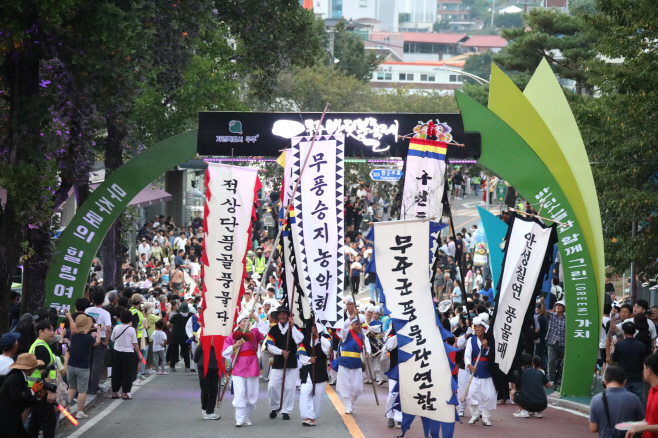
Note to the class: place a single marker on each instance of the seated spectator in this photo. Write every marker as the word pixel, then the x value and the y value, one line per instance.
pixel 614 405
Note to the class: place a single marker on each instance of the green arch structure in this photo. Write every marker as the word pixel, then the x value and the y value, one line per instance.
pixel 507 154
pixel 69 269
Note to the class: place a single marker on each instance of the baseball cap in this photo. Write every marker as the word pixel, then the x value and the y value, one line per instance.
pixel 9 339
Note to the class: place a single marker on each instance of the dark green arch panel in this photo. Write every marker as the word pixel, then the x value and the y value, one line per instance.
pixel 508 155
pixel 77 246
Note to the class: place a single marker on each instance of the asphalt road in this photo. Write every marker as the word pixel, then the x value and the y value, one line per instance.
pixel 169 406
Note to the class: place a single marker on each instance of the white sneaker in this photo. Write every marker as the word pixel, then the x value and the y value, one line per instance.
pixel 247 422
pixel 137 382
pixel 536 414
pixel 80 415
pixel 239 424
pixel 461 413
pixel 474 420
pixel 522 414
pixel 486 422
pixel 212 416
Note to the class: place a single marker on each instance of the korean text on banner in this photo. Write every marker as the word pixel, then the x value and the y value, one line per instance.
pixel 401 250
pixel 228 219
pixel 423 179
pixel 319 218
pixel 526 250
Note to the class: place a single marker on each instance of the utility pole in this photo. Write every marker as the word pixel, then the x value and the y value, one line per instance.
pixel 493 9
pixel 633 288
pixel 331 47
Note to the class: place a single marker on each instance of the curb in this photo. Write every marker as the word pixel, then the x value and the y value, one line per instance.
pixel 579 407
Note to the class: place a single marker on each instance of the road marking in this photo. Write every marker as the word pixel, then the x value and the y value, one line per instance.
pixel 349 421
pixel 105 412
pixel 571 411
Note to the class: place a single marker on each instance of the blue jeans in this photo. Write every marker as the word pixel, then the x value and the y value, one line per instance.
pixel 374 293
pixel 636 388
pixel 476 189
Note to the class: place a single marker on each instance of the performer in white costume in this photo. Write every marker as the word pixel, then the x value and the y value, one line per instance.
pixel 276 344
pixel 350 381
pixel 314 369
pixel 245 372
pixel 482 392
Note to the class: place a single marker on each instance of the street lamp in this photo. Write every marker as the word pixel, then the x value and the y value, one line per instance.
pixel 479 80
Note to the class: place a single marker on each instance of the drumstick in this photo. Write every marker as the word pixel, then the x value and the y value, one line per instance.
pixel 473 374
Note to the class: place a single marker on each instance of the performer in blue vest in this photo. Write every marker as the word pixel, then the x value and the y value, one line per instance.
pixel 482 392
pixel 350 381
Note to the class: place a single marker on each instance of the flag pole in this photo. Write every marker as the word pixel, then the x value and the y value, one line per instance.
pixel 291 298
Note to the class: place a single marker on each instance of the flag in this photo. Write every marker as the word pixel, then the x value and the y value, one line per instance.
pixel 527 259
pixel 319 218
pixel 228 217
pixel 423 179
pixel 426 388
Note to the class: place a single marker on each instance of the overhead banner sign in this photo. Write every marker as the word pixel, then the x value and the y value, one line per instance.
pixel 230 193
pixel 423 182
pixel 366 134
pixel 525 252
pixel 319 218
pixel 401 250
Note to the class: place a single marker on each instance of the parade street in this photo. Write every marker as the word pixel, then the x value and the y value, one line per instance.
pixel 168 406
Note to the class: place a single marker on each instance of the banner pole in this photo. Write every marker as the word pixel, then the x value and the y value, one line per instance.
pixel 291 298
pixel 473 374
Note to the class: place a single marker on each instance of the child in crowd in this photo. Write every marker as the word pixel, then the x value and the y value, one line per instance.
pixel 159 344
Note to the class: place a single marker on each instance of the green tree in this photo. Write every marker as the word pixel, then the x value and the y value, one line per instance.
pixel 620 129
pixel 349 52
pixel 479 65
pixel 560 38
pixel 478 9
pixel 506 21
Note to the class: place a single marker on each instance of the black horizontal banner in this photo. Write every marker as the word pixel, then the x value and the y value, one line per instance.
pixel 368 135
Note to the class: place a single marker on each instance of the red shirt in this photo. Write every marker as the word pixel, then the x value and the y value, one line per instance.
pixel 652 412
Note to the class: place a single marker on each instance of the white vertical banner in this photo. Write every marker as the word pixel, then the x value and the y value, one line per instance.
pixel 229 208
pixel 319 216
pixel 401 251
pixel 524 256
pixel 423 180
pixel 290 179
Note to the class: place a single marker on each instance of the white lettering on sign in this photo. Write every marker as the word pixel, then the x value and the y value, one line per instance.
pixel 368 131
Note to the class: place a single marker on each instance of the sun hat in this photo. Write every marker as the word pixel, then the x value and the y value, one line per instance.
pixel 83 323
pixel 26 361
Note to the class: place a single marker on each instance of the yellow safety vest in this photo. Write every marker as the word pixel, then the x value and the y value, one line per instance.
pixel 37 374
pixel 140 326
pixel 250 266
pixel 260 265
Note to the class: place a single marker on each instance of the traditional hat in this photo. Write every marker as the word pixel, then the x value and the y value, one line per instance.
pixel 360 319
pixel 282 309
pixel 26 361
pixel 243 315
pixel 444 306
pixel 376 309
pixel 370 308
pixel 484 317
pixel 348 299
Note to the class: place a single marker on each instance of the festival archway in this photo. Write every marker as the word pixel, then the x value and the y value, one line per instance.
pixel 530 139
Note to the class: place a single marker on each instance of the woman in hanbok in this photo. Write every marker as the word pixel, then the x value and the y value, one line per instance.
pixel 244 342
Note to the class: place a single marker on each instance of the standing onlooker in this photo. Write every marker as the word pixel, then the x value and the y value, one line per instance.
pixel 144 248
pixel 450 285
pixel 540 334
pixel 355 274
pixel 123 362
pixel 159 340
pixel 9 345
pixel 614 405
pixel 555 337
pixel 650 428
pixel 179 338
pixel 629 355
pixel 439 284
pixel 456 294
pixel 101 316
pixel 77 372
